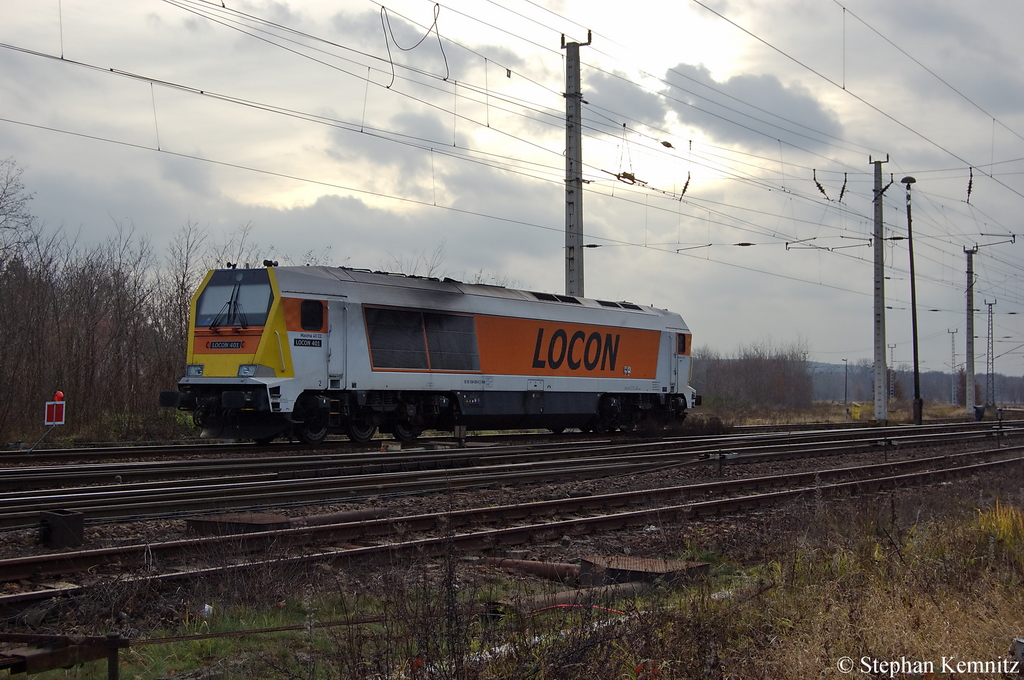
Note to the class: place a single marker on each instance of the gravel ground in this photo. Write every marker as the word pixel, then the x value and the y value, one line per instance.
pixel 23 543
pixel 742 539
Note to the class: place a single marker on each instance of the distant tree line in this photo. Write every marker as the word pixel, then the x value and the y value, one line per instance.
pixel 105 324
pixel 758 376
pixel 108 324
pixel 831 383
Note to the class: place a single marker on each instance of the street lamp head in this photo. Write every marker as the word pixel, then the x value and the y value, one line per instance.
pixel 908 181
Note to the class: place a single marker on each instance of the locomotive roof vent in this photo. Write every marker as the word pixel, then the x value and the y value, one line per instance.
pixel 549 297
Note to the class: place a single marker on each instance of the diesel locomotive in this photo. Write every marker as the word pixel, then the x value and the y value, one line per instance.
pixel 307 351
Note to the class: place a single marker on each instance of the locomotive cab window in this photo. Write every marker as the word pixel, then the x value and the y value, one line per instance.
pixel 683 343
pixel 311 315
pixel 235 297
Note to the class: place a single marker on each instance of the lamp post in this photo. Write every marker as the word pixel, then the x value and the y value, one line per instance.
pixel 913 308
pixel 846 387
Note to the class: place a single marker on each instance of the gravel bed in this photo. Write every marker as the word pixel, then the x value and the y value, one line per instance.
pixel 27 542
pixel 750 538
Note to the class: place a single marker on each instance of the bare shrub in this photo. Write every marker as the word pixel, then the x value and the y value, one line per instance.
pixel 759 376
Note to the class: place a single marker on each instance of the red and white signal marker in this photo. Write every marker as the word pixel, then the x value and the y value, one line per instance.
pixel 55 410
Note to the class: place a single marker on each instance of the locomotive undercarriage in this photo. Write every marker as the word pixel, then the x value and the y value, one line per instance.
pixel 254 413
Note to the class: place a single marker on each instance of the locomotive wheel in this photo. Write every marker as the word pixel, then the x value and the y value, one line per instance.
pixel 360 432
pixel 405 432
pixel 608 414
pixel 200 416
pixel 313 432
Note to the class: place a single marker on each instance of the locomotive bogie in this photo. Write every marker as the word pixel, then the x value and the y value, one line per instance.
pixel 305 351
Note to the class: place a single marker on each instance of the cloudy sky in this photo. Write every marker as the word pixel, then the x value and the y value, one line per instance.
pixel 367 135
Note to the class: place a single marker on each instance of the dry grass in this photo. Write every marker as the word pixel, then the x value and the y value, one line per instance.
pixel 900 412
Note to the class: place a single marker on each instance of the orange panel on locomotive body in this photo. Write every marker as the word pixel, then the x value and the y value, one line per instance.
pixel 306 351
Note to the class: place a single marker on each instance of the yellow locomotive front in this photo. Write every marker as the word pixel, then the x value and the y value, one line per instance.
pixel 235 355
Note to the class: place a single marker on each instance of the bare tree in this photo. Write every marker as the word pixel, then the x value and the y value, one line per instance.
pixel 481 277
pixel 183 270
pixel 313 258
pixel 417 264
pixel 16 220
pixel 237 250
pixel 761 375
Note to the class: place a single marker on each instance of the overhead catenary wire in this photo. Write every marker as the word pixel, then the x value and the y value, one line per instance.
pixel 428 28
pixel 402 199
pixel 690 187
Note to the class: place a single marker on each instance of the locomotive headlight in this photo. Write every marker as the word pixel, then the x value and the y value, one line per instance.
pixel 194 370
pixel 246 370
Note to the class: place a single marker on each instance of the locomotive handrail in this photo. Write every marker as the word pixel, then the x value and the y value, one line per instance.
pixel 280 349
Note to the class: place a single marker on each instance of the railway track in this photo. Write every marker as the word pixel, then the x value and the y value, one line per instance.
pixel 171 452
pixel 484 528
pixel 217 485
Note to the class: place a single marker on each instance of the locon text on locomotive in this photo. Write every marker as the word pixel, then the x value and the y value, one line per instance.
pixel 561 348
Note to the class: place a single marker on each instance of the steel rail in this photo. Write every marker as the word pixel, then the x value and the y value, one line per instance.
pixel 849 430
pixel 22 478
pixel 873 476
pixel 25 478
pixel 47 476
pixel 20 510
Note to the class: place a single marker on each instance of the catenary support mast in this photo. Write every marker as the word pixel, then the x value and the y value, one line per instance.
pixel 881 398
pixel 573 169
pixel 969 359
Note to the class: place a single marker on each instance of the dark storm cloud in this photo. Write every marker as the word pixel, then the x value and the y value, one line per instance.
pixel 977 58
pixel 391 151
pixel 611 91
pixel 353 233
pixel 191 176
pixel 754 111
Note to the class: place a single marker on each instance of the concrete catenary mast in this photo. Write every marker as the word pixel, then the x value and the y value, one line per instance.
pixel 573 169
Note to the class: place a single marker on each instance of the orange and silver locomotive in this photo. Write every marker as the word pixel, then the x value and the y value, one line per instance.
pixel 307 351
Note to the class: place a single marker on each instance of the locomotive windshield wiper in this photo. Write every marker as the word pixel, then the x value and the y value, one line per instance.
pixel 231 312
pixel 240 315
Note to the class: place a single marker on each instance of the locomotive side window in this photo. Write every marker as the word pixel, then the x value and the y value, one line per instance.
pixel 235 297
pixel 422 340
pixel 683 343
pixel 452 342
pixel 311 314
pixel 396 338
